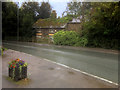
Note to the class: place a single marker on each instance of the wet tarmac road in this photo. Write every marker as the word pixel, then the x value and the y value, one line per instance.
pixel 43 73
pixel 104 65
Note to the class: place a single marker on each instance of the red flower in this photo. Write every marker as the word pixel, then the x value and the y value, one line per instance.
pixel 13 66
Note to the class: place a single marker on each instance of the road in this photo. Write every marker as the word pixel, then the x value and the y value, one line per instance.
pixel 104 65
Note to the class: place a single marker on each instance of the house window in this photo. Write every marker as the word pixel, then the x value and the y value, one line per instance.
pixel 39 36
pixel 51 31
pixel 39 31
pixel 51 36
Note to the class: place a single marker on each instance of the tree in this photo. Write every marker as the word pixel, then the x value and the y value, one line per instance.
pixel 26 29
pixel 45 10
pixel 28 14
pixel 100 22
pixel 78 10
pixel 20 20
pixel 9 19
pixel 102 29
pixel 31 8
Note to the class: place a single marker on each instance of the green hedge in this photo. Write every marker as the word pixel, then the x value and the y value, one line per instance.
pixel 70 38
pixel 65 38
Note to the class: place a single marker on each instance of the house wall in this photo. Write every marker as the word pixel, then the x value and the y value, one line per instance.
pixel 73 26
pixel 44 32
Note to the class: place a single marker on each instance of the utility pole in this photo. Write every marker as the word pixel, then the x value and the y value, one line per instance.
pixel 18 22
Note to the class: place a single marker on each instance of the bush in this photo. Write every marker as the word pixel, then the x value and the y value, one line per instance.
pixel 62 37
pixel 82 42
pixel 1 50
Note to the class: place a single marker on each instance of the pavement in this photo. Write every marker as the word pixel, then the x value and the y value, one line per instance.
pixel 46 74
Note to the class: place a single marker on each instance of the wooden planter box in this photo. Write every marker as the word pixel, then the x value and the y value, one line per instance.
pixel 17 74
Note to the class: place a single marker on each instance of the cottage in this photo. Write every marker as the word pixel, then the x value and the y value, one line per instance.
pixel 47 28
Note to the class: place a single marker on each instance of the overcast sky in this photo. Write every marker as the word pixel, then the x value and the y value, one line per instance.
pixel 58 5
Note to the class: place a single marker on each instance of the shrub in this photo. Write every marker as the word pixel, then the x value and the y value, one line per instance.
pixel 1 50
pixel 62 37
pixel 82 42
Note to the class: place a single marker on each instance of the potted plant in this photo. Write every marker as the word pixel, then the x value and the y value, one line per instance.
pixel 18 69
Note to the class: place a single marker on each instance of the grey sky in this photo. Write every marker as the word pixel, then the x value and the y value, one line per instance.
pixel 60 7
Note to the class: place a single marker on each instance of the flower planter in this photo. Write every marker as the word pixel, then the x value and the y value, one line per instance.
pixel 17 69
pixel 24 72
pixel 11 72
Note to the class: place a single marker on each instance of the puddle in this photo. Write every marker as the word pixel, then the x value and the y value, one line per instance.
pixel 51 68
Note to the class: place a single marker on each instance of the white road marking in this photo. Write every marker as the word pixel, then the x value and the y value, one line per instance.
pixel 83 72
